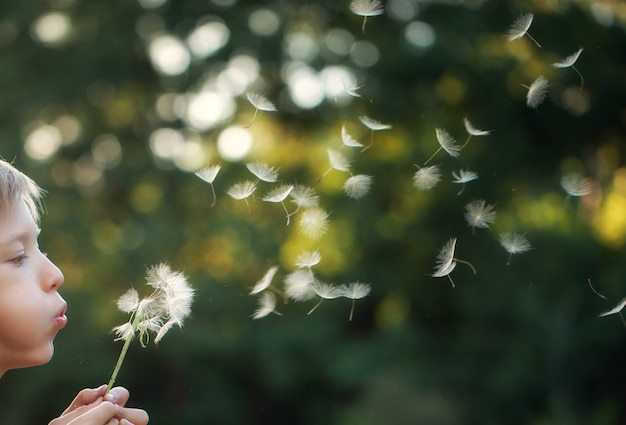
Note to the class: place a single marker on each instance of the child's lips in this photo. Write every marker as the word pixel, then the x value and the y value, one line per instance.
pixel 61 318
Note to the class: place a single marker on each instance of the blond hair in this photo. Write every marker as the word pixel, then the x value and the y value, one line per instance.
pixel 16 186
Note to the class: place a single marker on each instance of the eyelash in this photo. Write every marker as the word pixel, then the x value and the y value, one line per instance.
pixel 19 260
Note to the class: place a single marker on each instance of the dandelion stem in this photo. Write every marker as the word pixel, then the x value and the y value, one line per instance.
pixel 351 311
pixel 466 142
pixel 582 80
pixel 256 111
pixel 287 213
pixel 531 37
pixel 363 25
pixel 596 292
pixel 432 156
pixel 371 142
pixel 120 359
pixel 466 262
pixel 316 306
pixel 214 197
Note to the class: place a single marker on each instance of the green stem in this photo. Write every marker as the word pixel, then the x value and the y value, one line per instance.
pixel 120 359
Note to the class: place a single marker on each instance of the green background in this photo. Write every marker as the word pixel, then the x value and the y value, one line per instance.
pixel 516 344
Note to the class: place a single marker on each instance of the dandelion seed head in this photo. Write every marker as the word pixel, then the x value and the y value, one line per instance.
pixel 241 190
pixel 355 290
pixel 473 131
pixel 357 186
pixel 298 285
pixel 574 184
pixel 514 243
pixel 304 196
pixel 464 176
pixel 278 194
pixel 520 27
pixel 263 171
pixel 373 124
pixel 260 102
pixel 128 302
pixel 447 142
pixel 265 281
pixel 537 92
pixel 348 140
pixel 314 222
pixel 308 259
pixel 479 215
pixel 208 174
pixel 366 7
pixel 326 291
pixel 568 61
pixel 615 310
pixel 427 177
pixel 266 306
pixel 338 161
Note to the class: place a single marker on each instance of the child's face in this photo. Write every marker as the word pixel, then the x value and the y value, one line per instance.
pixel 31 310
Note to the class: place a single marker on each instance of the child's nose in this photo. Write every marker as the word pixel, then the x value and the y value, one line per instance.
pixel 53 276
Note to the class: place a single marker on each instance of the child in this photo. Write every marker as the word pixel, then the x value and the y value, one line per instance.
pixel 31 309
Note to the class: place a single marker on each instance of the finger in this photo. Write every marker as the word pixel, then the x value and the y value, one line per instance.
pixel 117 395
pixel 85 397
pixel 101 414
pixel 135 416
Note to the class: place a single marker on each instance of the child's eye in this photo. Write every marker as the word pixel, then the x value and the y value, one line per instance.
pixel 19 260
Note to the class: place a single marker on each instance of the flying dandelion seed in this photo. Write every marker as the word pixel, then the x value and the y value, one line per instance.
pixel 472 131
pixel 479 215
pixel 169 304
pixel 337 162
pixel 537 92
pixel 348 140
pixel 514 243
pixel 266 306
pixel 242 191
pixel 616 310
pixel 308 259
pixel 263 171
pixel 208 174
pixel 355 291
pixel 373 126
pixel 520 28
pixel 299 285
pixel 357 186
pixel 366 8
pixel 314 222
pixel 260 103
pixel 279 194
pixel 574 184
pixel 303 196
pixel 463 177
pixel 425 178
pixel 447 143
pixel 265 281
pixel 568 62
pixel 446 261
pixel 350 86
pixel 325 291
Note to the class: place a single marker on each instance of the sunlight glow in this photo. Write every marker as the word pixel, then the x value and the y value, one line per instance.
pixel 208 37
pixel 234 143
pixel 169 55
pixel 52 28
pixel 42 143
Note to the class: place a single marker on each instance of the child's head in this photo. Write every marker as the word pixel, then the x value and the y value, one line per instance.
pixel 31 309
pixel 15 186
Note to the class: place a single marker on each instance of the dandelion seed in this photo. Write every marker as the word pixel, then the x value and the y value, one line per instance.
pixel 574 184
pixel 520 28
pixel 168 305
pixel 351 87
pixel 596 292
pixel 479 215
pixel 263 171
pixel 260 103
pixel 373 125
pixel 357 186
pixel 446 261
pixel 304 197
pixel 568 62
pixel 325 291
pixel 473 131
pixel 337 162
pixel 537 92
pixel 299 285
pixel 366 8
pixel 267 305
pixel 463 177
pixel 314 222
pixel 242 191
pixel 447 143
pixel 279 194
pixel 616 310
pixel 208 174
pixel 265 281
pixel 514 243
pixel 425 178
pixel 348 140
pixel 355 291
pixel 308 259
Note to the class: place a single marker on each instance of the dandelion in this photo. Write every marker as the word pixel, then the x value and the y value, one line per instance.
pixel 351 87
pixel 357 186
pixel 337 162
pixel 479 215
pixel 325 291
pixel 366 8
pixel 568 62
pixel 537 92
pixel 574 184
pixel 520 28
pixel 267 305
pixel 208 174
pixel 314 222
pixel 462 177
pixel 355 291
pixel 616 310
pixel 242 191
pixel 263 171
pixel 169 304
pixel 373 125
pixel 425 178
pixel 447 143
pixel 348 140
pixel 446 261
pixel 304 197
pixel 514 243
pixel 265 281
pixel 299 285
pixel 472 131
pixel 260 103
pixel 279 194
pixel 308 259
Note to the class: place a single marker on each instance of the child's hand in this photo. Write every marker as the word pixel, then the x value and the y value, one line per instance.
pixel 93 407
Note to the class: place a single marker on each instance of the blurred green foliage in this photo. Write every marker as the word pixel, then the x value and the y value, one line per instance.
pixel 516 344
